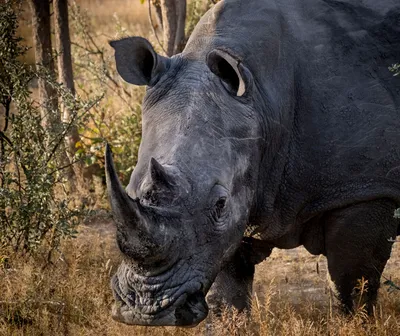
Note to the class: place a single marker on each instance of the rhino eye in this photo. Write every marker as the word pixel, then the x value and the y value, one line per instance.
pixel 220 206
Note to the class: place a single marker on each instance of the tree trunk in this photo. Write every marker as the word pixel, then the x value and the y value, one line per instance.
pixel 180 8
pixel 51 118
pixel 43 55
pixel 65 72
pixel 63 43
pixel 173 20
pixel 169 24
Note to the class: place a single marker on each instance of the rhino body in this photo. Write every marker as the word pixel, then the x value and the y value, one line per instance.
pixel 277 126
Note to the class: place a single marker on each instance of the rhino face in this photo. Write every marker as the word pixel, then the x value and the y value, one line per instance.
pixel 186 207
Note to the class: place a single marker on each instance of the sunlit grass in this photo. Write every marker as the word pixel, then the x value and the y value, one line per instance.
pixel 71 296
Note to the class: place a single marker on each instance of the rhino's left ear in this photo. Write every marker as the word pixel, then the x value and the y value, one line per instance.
pixel 236 77
pixel 137 62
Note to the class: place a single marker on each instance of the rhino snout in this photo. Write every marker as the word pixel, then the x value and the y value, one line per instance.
pixel 156 301
pixel 188 311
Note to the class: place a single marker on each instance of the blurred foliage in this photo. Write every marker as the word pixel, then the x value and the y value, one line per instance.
pixel 34 205
pixel 117 118
pixel 195 11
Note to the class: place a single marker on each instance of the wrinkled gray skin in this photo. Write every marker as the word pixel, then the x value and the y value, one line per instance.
pixel 279 118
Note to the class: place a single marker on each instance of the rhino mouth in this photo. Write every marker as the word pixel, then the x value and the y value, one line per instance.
pixel 183 305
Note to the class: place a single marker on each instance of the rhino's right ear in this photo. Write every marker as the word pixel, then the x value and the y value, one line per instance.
pixel 137 62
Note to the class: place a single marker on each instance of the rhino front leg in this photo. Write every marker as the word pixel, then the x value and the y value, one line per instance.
pixel 234 284
pixel 358 245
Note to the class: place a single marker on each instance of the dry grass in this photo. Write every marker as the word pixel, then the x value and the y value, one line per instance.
pixel 131 13
pixel 72 296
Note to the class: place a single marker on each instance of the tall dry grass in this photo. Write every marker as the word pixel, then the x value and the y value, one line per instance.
pixel 71 296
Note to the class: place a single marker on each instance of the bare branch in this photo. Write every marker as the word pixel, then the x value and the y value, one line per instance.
pixel 154 30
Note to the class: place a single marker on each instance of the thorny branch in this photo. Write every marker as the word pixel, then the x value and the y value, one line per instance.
pixel 63 167
pixel 3 137
pixel 110 87
pixel 69 125
pixel 154 30
pixel 96 50
pixel 390 283
pixel 7 105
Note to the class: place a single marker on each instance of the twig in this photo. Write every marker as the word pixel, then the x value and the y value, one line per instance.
pixel 3 136
pixel 7 116
pixel 67 129
pixel 64 167
pixel 154 30
pixel 114 89
pixel 89 51
pixel 390 283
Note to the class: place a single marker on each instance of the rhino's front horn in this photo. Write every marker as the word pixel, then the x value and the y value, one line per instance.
pixel 137 239
pixel 124 208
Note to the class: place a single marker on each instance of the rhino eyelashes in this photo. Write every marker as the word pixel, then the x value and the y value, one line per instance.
pixel 220 206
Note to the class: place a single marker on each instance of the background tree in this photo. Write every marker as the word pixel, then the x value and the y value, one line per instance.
pixel 41 28
pixel 35 208
pixel 171 16
pixel 65 76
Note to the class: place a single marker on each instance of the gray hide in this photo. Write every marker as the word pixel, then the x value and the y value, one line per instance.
pixel 277 126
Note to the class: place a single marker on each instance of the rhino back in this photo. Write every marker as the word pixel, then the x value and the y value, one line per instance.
pixel 348 113
pixel 322 70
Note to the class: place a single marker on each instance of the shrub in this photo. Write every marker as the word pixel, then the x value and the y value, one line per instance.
pixel 35 205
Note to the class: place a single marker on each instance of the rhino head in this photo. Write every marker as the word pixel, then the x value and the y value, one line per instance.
pixel 189 199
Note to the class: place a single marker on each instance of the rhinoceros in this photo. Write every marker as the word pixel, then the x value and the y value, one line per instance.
pixel 277 126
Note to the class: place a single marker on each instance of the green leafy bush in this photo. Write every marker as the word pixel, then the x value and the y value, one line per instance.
pixel 35 206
